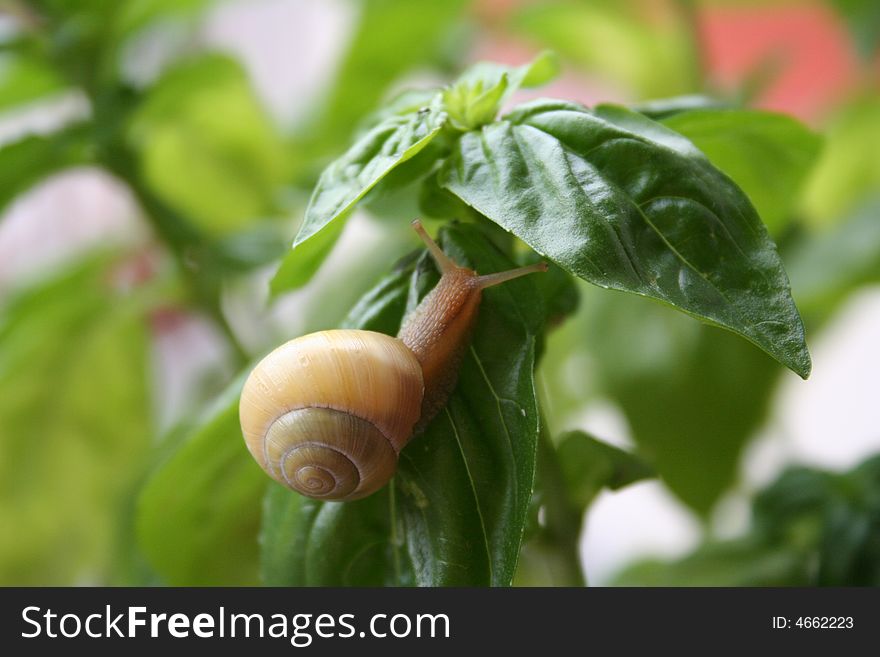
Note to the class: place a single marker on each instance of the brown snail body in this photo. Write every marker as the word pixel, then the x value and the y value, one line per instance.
pixel 326 414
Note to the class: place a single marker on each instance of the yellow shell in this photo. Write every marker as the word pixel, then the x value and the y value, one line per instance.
pixel 326 414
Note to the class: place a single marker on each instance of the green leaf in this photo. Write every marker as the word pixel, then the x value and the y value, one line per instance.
pixel 827 266
pixel 207 147
pixel 475 98
pixel 392 37
pixel 455 512
pixel 25 79
pixel 134 15
pixel 541 70
pixel 733 563
pixel 709 390
pixel 628 204
pixel 389 144
pixel 394 141
pixel 863 17
pixel 847 171
pixel 32 159
pixel 76 425
pixel 831 519
pixel 569 476
pixel 664 108
pixel 199 513
pixel 768 155
pixel 471 105
pixel 310 543
pixel 588 465
pixel 297 268
pixel 614 40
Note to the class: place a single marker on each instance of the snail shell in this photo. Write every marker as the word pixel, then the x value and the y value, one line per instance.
pixel 328 413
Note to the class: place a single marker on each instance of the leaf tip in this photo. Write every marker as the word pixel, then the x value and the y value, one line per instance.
pixel 803 366
pixel 546 66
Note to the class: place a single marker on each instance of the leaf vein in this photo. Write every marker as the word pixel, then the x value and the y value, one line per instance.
pixel 476 496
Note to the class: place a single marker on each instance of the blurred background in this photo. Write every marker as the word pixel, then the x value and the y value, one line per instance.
pixel 155 160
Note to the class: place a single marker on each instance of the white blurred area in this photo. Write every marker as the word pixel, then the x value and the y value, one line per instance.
pixel 290 47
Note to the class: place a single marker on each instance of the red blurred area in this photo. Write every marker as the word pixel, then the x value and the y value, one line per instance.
pixel 811 56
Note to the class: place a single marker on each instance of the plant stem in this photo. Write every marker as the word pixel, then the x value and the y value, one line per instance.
pixel 563 521
pixel 690 14
pixel 112 105
pixel 201 272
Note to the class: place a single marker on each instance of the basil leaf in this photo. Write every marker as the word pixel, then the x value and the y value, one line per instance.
pixel 767 154
pixel 589 465
pixel 390 143
pixel 29 160
pixel 478 94
pixel 627 204
pixel 207 147
pixel 663 108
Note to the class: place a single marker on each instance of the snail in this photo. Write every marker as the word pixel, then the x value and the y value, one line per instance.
pixel 326 414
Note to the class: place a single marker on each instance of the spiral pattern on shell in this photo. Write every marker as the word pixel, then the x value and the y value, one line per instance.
pixel 327 414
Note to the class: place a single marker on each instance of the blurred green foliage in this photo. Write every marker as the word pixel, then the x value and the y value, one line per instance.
pixel 392 38
pixel 203 497
pixel 707 388
pixel 847 170
pixel 202 118
pixel 29 160
pixel 614 40
pixel 75 413
pixel 809 528
pixel 89 493
pixel 24 79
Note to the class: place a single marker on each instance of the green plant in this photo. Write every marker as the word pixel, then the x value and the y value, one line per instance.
pixel 677 200
pixel 608 195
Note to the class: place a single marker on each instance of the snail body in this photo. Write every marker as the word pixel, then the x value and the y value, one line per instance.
pixel 326 414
